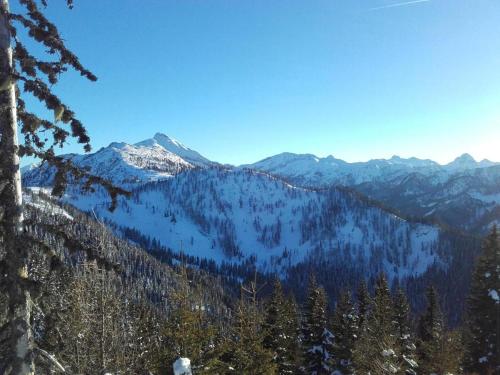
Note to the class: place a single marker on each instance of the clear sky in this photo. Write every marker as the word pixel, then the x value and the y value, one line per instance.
pixel 240 80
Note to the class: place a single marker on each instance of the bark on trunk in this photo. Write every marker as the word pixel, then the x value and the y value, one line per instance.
pixel 16 358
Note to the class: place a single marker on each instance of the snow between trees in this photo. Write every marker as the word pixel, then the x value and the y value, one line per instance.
pixel 182 367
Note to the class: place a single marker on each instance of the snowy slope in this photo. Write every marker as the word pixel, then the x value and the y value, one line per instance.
pixel 233 215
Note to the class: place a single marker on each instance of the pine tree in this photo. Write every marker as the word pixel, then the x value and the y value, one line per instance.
pixel 375 353
pixel 280 329
pixel 249 356
pixel 430 334
pixel 294 329
pixel 345 330
pixel 187 332
pixel 483 311
pixel 364 303
pixel 406 348
pixel 317 339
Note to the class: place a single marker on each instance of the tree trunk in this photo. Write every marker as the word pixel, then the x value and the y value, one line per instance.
pixel 16 357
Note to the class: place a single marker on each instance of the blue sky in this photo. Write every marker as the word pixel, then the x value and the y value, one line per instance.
pixel 242 80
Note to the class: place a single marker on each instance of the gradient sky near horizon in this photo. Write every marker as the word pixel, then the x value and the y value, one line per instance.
pixel 242 80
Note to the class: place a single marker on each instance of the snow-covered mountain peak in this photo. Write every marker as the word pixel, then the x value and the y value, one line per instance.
pixel 124 164
pixel 169 143
pixel 174 146
pixel 487 163
pixel 466 161
pixel 116 145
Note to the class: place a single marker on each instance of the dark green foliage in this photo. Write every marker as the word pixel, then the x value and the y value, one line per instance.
pixel 431 322
pixel 430 333
pixel 364 303
pixel 153 315
pixel 249 356
pixel 376 352
pixel 483 312
pixel 317 339
pixel 438 351
pixel 345 331
pixel 188 332
pixel 280 331
pixel 405 341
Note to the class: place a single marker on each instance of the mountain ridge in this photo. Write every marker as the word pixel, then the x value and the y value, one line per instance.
pixel 464 194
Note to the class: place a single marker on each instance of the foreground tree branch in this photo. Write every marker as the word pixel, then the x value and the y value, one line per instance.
pixel 21 73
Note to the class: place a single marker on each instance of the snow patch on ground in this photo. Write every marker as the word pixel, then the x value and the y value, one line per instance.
pixel 494 295
pixel 182 367
pixel 32 198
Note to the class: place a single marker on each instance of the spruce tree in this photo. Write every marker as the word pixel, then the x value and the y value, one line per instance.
pixel 293 317
pixel 375 353
pixel 345 331
pixel 249 356
pixel 280 331
pixel 317 339
pixel 364 303
pixel 483 310
pixel 406 348
pixel 430 334
pixel 187 332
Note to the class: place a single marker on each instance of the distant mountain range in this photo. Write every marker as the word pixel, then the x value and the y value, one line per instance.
pixel 296 214
pixel 464 194
pixel 308 169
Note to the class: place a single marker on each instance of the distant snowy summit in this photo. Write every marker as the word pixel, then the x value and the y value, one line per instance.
pixel 176 148
pixel 153 159
pixel 162 157
pixel 308 169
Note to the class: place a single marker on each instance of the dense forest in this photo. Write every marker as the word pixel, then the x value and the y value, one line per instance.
pixel 114 307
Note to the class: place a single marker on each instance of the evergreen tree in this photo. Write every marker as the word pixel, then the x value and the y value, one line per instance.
pixel 280 331
pixel 249 356
pixel 345 330
pixel 187 332
pixel 22 74
pixel 364 303
pixel 483 312
pixel 430 334
pixel 146 342
pixel 375 353
pixel 405 346
pixel 293 314
pixel 317 339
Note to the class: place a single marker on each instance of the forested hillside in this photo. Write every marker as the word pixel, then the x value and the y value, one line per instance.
pixel 228 221
pixel 119 308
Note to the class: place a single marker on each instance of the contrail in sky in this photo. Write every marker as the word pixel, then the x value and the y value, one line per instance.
pixel 400 4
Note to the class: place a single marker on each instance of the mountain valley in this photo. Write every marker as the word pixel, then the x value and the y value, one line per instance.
pixel 403 217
